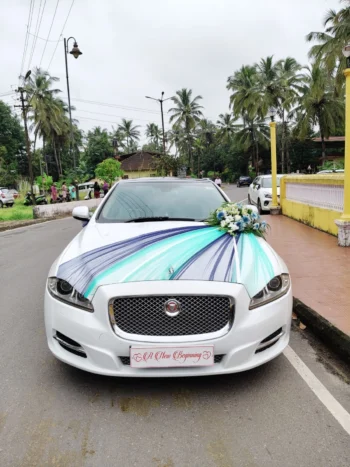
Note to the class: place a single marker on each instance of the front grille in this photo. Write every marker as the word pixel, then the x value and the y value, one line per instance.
pixel 126 360
pixel 145 315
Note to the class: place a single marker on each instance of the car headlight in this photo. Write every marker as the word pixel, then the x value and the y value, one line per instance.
pixel 268 196
pixel 276 288
pixel 63 291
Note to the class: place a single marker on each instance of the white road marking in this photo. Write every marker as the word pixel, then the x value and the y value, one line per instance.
pixel 242 200
pixel 336 409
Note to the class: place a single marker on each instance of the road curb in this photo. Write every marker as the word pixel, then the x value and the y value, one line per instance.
pixel 326 331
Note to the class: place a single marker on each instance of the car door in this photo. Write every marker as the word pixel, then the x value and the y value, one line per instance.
pixel 254 190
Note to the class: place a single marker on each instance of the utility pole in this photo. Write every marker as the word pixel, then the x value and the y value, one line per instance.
pixel 76 53
pixel 29 153
pixel 161 100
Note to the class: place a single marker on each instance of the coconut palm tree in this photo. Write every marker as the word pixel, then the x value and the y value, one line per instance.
pixel 252 134
pixel 130 132
pixel 153 133
pixel 318 105
pixel 246 98
pixel 186 114
pixel 226 128
pixel 331 42
pixel 290 80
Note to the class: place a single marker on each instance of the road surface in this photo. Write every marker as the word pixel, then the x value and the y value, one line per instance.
pixel 54 415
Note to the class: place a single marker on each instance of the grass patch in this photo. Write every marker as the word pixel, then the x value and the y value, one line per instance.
pixel 18 212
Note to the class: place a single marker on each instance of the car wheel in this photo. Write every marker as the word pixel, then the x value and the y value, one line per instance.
pixel 1 204
pixel 10 205
pixel 259 207
pixel 249 200
pixel 238 185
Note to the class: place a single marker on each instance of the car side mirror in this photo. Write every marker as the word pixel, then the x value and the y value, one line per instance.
pixel 81 213
pixel 257 186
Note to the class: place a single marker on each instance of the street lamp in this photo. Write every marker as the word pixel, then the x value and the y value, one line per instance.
pixel 75 52
pixel 161 100
pixel 344 222
pixel 274 205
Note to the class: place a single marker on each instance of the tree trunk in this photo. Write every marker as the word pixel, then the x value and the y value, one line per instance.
pixel 323 148
pixel 283 143
pixel 45 160
pixel 55 154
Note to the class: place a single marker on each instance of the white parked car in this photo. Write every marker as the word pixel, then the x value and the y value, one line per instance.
pixel 260 192
pixel 6 198
pixel 147 289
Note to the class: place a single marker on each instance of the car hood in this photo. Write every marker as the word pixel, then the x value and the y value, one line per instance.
pixel 103 254
pixel 269 190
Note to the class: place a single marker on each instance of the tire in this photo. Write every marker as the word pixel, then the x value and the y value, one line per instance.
pixel 10 205
pixel 1 204
pixel 249 200
pixel 238 185
pixel 43 202
pixel 259 207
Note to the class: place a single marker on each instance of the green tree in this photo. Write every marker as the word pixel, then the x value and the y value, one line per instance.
pixel 331 41
pixel 98 148
pixel 226 127
pixel 245 98
pixel 13 159
pixel 186 114
pixel 109 170
pixel 130 133
pixel 153 133
pixel 318 105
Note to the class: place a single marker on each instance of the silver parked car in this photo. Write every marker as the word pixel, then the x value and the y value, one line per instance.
pixel 6 198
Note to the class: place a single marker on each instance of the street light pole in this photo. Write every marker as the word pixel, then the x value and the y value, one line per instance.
pixel 275 209
pixel 75 52
pixel 344 222
pixel 161 100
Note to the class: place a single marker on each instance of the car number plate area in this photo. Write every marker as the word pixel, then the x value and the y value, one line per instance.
pixel 171 356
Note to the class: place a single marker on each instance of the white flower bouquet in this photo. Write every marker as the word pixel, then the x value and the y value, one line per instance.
pixel 236 218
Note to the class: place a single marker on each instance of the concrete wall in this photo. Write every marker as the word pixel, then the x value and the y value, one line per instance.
pixel 140 173
pixel 315 200
pixel 62 209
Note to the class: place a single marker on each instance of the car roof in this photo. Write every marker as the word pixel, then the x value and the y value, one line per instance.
pixel 269 176
pixel 165 179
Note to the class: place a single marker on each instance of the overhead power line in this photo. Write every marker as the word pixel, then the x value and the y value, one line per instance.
pixel 114 116
pixel 42 38
pixel 60 36
pixel 29 24
pixel 124 107
pixel 48 36
pixel 37 29
pixel 105 121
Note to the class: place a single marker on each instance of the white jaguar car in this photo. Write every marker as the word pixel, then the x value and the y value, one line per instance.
pixel 149 289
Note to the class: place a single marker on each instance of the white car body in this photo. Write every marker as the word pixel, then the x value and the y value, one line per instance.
pixel 98 343
pixel 261 196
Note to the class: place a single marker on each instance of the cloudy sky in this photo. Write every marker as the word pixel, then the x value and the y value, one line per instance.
pixel 133 48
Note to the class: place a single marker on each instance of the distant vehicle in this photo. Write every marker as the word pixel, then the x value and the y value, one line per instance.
pixel 87 189
pixel 41 199
pixel 260 192
pixel 6 198
pixel 334 171
pixel 244 180
pixel 15 193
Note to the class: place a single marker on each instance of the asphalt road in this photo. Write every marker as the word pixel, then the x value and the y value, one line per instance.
pixel 54 415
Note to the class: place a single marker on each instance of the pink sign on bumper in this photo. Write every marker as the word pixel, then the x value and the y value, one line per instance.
pixel 171 356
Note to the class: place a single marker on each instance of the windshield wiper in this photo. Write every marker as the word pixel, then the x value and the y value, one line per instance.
pixel 159 219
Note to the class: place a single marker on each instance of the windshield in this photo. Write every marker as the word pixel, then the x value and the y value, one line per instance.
pixel 185 200
pixel 267 182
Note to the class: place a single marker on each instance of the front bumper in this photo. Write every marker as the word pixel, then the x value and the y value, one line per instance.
pixel 103 348
pixel 266 203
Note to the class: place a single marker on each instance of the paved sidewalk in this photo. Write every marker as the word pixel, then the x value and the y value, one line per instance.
pixel 319 268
